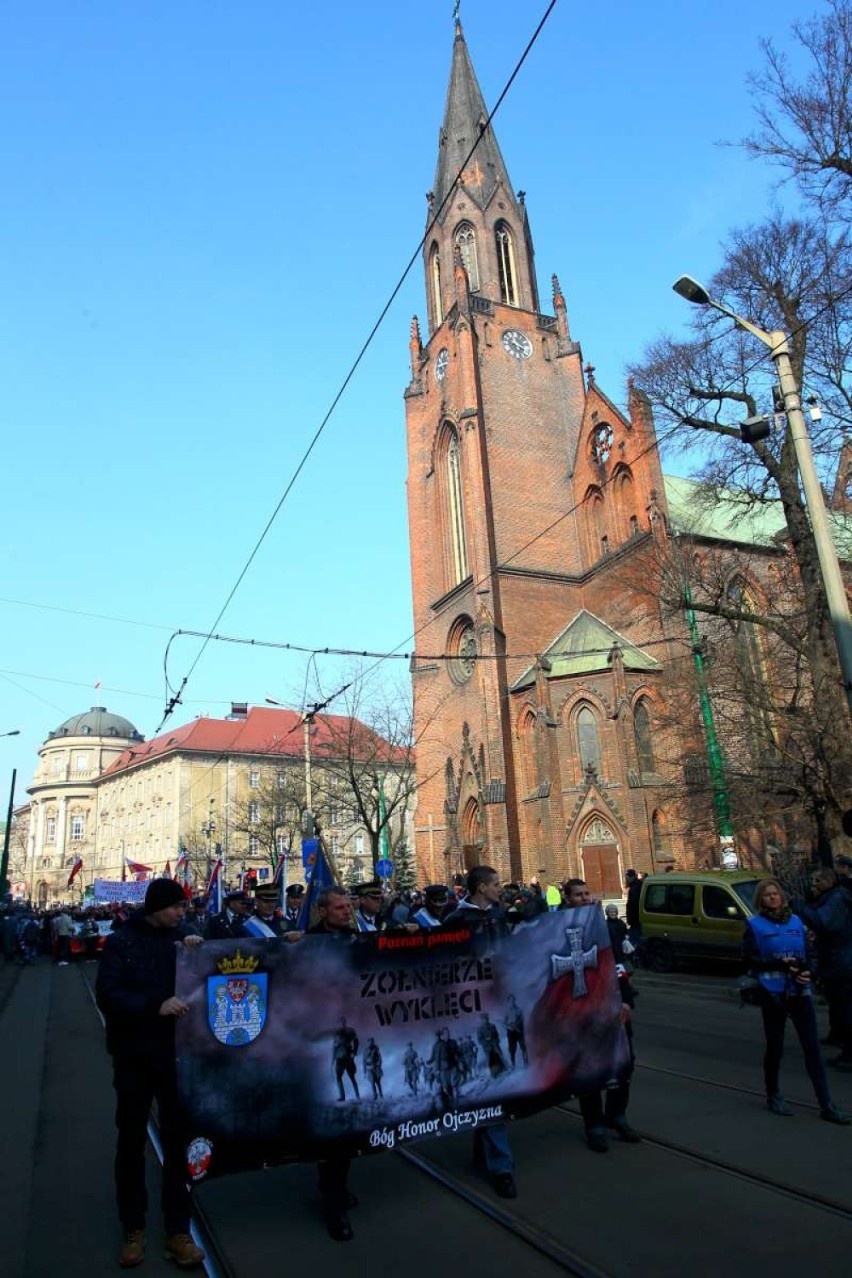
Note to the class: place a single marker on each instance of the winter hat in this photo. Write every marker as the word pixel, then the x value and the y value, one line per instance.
pixel 161 894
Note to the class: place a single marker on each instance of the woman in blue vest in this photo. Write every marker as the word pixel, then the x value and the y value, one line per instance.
pixel 775 950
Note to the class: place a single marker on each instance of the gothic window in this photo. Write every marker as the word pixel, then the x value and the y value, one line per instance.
pixel 626 503
pixel 644 742
pixel 461 646
pixel 588 740
pixel 455 510
pixel 435 277
pixel 528 752
pixel 506 270
pixel 596 524
pixel 465 241
pixel 750 662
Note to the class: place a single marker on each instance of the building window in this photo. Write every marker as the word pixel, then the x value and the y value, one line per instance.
pixel 658 834
pixel 634 526
pixel 466 244
pixel 456 509
pixel 81 763
pixel 461 647
pixel 50 830
pixel 359 844
pixel 506 272
pixel 254 780
pixel 281 845
pixel 435 277
pixel 644 742
pixel 254 812
pixel 588 741
pixel 334 844
pixel 281 780
pixel 78 829
pixel 253 845
pixel 45 863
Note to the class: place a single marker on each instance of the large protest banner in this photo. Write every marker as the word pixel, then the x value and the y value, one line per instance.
pixel 291 1050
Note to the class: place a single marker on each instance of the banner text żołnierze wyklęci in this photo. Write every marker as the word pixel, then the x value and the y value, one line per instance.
pixel 293 1050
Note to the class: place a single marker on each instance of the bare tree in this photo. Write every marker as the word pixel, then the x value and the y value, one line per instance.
pixel 269 816
pixel 791 275
pixel 805 125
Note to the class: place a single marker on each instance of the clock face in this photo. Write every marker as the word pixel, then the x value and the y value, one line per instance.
pixel 441 362
pixel 602 443
pixel 516 343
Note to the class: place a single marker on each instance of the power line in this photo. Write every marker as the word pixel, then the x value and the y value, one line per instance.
pixel 176 696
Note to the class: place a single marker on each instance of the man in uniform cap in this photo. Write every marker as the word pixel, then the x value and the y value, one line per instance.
pixel 434 908
pixel 266 897
pixel 293 906
pixel 229 925
pixel 368 906
pixel 136 993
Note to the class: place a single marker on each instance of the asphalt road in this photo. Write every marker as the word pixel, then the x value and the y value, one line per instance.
pixel 719 1186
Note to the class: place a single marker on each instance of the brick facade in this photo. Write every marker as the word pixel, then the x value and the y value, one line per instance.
pixel 532 501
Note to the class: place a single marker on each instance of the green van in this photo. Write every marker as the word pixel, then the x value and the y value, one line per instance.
pixel 697 915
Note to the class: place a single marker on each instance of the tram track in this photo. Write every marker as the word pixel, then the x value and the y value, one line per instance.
pixel 759 1180
pixel 716 1082
pixel 538 1239
pixel 216 1264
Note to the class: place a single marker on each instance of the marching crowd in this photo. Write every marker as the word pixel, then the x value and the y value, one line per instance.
pixel 788 946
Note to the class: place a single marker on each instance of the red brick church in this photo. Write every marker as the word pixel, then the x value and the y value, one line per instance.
pixel 528 489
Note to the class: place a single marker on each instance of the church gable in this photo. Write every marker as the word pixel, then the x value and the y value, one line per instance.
pixel 584 648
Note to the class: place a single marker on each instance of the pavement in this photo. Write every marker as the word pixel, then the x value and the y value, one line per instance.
pixel 649 1209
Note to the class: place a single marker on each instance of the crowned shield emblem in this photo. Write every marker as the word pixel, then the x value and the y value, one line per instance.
pixel 237 1000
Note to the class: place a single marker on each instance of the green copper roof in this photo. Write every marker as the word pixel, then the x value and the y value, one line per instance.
pixel 733 515
pixel 583 648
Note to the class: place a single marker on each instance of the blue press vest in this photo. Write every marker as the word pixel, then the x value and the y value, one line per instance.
pixel 779 940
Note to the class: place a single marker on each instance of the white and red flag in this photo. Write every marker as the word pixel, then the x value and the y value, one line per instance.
pixel 75 870
pixel 135 867
pixel 167 870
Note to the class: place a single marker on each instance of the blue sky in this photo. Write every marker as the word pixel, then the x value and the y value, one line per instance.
pixel 205 207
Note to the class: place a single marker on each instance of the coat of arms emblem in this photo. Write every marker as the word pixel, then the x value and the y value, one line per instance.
pixel 237 1000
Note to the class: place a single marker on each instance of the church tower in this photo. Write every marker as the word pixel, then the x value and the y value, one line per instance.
pixel 499 423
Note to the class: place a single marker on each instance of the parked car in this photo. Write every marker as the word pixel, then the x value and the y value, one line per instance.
pixel 700 915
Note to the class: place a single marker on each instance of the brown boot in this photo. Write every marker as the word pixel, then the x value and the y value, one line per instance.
pixel 132 1249
pixel 182 1250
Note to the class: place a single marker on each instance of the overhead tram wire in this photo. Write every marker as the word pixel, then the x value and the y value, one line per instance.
pixel 176 695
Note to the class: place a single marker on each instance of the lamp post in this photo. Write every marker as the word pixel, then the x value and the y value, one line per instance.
pixel 779 349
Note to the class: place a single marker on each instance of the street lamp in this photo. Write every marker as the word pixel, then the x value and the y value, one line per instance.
pixel 16 732
pixel 779 349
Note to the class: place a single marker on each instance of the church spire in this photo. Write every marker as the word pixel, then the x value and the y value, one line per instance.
pixel 465 117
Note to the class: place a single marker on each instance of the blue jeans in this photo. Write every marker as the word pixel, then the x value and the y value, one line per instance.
pixel 492 1144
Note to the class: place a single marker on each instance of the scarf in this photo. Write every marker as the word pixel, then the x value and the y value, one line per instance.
pixel 781 915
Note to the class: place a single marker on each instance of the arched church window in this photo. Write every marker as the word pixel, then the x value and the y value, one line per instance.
pixel 626 499
pixel 465 240
pixel 506 270
pixel 644 741
pixel 435 277
pixel 596 525
pixel 750 662
pixel 455 503
pixel 588 740
pixel 528 752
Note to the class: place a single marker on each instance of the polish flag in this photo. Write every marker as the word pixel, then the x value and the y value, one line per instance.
pixel 75 870
pixel 139 870
pixel 181 874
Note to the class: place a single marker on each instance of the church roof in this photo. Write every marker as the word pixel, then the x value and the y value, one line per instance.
pixel 464 115
pixel 583 647
pixel 729 514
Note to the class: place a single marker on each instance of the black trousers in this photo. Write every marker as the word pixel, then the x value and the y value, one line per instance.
pixel 800 1009
pixel 838 995
pixel 138 1082
pixel 599 1112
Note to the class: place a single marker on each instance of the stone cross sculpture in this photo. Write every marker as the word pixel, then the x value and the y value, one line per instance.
pixel 577 961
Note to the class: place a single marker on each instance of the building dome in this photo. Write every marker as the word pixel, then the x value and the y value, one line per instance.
pixel 97 722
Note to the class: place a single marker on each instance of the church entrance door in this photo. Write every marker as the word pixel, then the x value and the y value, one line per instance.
pixel 601 868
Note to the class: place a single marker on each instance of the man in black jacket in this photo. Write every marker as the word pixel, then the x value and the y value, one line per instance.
pixel 136 993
